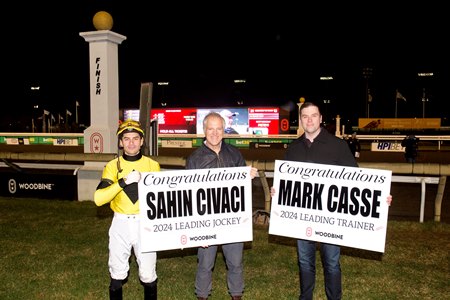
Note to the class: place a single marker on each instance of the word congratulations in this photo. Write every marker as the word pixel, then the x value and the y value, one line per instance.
pixel 210 176
pixel 325 173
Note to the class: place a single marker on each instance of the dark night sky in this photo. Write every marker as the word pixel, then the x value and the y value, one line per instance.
pixel 281 50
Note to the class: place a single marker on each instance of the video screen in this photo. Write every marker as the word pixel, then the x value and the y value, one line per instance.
pixel 263 120
pixel 236 119
pixel 132 114
pixel 175 120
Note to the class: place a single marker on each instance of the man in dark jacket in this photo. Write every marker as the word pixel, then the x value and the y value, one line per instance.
pixel 317 145
pixel 355 146
pixel 410 143
pixel 214 153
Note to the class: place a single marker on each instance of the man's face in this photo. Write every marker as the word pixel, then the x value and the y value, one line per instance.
pixel 214 132
pixel 310 119
pixel 131 143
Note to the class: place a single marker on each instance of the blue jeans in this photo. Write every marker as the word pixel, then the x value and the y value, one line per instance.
pixel 206 257
pixel 330 255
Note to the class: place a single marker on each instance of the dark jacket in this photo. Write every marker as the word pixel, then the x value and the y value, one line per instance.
pixel 354 145
pixel 326 149
pixel 205 158
pixel 411 146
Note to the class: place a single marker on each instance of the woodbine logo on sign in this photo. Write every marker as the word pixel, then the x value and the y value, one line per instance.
pixel 192 208
pixel 332 204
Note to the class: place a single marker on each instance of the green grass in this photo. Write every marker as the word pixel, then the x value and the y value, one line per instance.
pixel 54 249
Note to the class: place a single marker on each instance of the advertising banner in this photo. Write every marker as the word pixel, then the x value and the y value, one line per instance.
pixel 175 120
pixel 399 123
pixel 387 146
pixel 263 120
pixel 192 208
pixel 339 205
pixel 38 184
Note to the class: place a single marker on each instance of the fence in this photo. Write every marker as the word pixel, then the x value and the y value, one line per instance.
pixel 417 173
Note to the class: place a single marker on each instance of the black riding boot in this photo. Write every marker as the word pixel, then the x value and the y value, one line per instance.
pixel 115 295
pixel 115 290
pixel 150 290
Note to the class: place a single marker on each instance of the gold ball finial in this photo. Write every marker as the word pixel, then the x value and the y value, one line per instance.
pixel 302 99
pixel 102 20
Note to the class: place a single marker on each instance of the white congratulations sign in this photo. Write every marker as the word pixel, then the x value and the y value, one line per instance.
pixel 332 204
pixel 191 208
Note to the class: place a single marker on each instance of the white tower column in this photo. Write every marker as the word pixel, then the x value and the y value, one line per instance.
pixel 100 136
pixel 338 126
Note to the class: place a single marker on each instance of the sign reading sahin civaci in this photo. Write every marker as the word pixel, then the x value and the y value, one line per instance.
pixel 192 208
pixel 339 205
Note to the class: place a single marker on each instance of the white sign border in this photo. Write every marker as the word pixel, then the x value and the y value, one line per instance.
pixel 185 225
pixel 321 225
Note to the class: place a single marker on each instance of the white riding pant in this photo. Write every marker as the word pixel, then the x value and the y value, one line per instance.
pixel 124 234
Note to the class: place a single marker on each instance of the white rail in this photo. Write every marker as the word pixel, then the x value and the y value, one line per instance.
pixel 434 138
pixel 423 181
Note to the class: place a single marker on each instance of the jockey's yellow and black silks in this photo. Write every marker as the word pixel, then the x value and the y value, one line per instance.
pixel 112 188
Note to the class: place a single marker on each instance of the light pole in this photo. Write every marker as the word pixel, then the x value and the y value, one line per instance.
pixel 163 85
pixel 33 125
pixel 367 74
pixel 424 99
pixel 35 95
pixel 239 85
pixel 424 95
pixel 326 102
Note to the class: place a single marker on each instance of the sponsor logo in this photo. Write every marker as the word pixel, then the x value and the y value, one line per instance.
pixel 65 142
pixel 330 235
pixel 203 237
pixel 13 186
pixel 387 146
pixel 284 125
